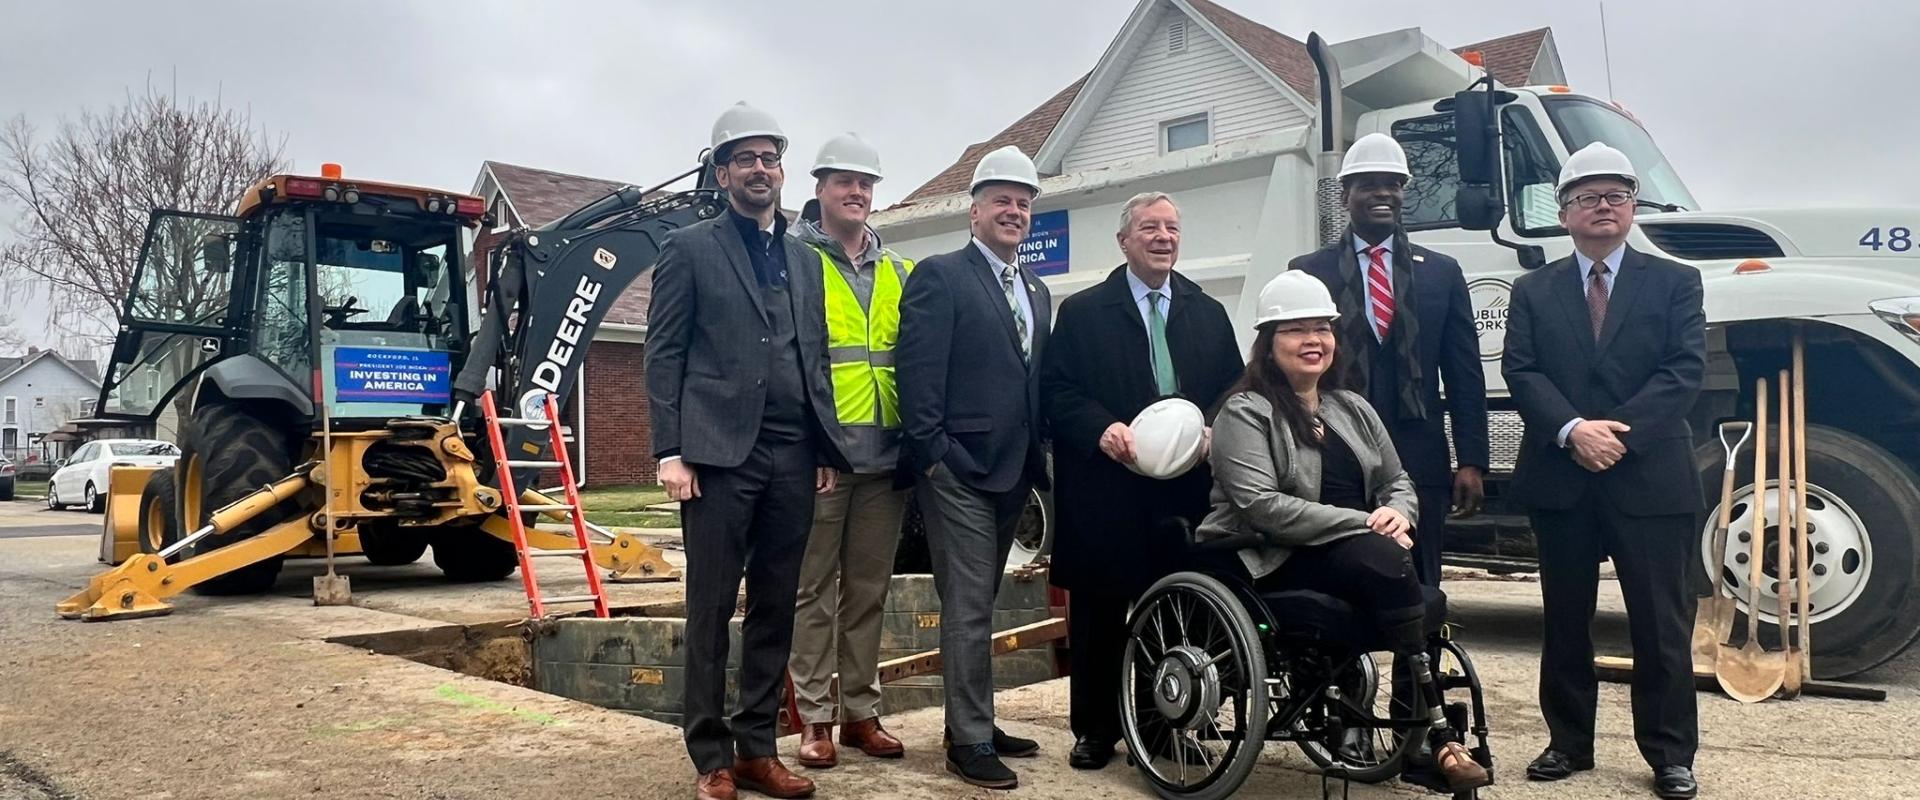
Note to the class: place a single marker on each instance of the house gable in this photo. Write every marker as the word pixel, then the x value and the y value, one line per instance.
pixel 1172 62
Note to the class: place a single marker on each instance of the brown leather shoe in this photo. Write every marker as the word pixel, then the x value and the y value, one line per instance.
pixel 870 738
pixel 715 785
pixel 1462 772
pixel 816 746
pixel 770 777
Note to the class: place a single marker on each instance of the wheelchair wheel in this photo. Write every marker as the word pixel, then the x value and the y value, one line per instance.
pixel 1193 699
pixel 1354 742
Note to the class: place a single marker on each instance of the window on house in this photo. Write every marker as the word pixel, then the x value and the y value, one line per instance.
pixel 86 407
pixel 12 416
pixel 1184 133
pixel 39 402
pixel 1177 36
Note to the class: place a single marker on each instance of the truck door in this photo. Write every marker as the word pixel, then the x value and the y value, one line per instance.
pixel 174 319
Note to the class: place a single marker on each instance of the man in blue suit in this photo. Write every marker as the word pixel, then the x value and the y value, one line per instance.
pixel 1406 324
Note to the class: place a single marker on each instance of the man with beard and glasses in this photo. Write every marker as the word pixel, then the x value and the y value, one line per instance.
pixel 743 425
pixel 973 330
pixel 1406 323
pixel 849 562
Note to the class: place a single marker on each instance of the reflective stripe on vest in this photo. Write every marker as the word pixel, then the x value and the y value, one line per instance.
pixel 860 344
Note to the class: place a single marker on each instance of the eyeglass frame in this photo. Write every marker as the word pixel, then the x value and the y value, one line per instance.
pixel 768 159
pixel 1599 197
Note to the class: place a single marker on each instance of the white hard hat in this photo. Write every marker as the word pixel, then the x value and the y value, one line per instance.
pixel 1597 160
pixel 850 153
pixel 1167 437
pixel 1006 164
pixel 743 121
pixel 1295 294
pixel 1375 152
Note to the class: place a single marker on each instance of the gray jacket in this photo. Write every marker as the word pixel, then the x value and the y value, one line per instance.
pixel 1265 483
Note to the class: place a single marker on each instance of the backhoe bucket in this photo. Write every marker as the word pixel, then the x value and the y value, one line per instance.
pixel 141 584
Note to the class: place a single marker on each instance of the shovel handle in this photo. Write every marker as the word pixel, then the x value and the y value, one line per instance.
pixel 1757 545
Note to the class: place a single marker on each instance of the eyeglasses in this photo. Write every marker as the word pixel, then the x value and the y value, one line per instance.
pixel 1592 200
pixel 744 160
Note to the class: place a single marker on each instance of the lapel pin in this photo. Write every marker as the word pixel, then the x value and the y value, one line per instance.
pixel 1417 258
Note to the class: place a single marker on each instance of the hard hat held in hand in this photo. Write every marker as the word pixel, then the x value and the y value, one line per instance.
pixel 848 153
pixel 1375 152
pixel 743 121
pixel 1295 294
pixel 1167 437
pixel 1006 164
pixel 1597 160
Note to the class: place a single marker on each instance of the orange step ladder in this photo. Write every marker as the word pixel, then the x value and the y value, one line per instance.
pixel 503 469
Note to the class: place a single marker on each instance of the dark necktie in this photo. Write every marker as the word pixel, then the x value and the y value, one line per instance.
pixel 1597 297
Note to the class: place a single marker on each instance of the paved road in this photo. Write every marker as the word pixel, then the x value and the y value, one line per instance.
pixel 29 518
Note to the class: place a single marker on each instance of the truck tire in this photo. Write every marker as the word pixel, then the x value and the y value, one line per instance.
pixel 467 554
pixel 392 545
pixel 159 513
pixel 237 453
pixel 1864 512
pixel 1032 541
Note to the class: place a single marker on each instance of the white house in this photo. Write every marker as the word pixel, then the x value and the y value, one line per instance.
pixel 39 392
pixel 1195 100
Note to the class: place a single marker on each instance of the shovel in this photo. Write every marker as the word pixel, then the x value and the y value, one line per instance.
pixel 1749 673
pixel 1789 511
pixel 1713 621
pixel 1802 652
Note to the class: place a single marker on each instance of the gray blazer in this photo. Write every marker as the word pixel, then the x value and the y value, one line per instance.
pixel 1264 483
pixel 708 348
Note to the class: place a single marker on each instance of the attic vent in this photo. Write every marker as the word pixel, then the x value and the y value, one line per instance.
pixel 1695 241
pixel 1177 36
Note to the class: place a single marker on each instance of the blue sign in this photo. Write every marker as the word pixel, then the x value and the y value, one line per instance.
pixel 1045 250
pixel 391 375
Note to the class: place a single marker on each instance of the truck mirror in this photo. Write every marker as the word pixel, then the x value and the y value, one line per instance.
pixel 214 253
pixel 1476 144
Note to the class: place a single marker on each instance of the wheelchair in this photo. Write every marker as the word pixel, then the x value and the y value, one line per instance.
pixel 1214 669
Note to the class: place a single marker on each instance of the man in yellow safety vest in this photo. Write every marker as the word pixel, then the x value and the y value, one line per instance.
pixel 856 526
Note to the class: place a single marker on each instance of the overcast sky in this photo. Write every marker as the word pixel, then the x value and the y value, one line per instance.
pixel 1756 102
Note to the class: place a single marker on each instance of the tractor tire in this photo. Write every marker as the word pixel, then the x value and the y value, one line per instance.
pixel 160 513
pixel 1864 507
pixel 468 554
pixel 392 545
pixel 238 453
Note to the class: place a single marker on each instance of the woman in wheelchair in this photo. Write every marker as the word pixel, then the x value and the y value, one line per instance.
pixel 1309 500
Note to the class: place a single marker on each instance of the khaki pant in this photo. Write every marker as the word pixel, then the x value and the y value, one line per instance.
pixel 843 590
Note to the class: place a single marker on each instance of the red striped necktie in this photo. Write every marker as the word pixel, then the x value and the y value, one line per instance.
pixel 1380 292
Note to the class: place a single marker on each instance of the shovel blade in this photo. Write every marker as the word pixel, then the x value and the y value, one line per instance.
pixel 1749 674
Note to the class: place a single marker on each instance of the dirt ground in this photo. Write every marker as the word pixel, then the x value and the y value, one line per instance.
pixel 245 698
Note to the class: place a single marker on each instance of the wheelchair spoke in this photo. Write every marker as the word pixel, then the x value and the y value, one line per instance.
pixel 1180 623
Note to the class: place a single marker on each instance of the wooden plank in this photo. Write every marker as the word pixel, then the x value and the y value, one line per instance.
pixel 1620 670
pixel 1029 635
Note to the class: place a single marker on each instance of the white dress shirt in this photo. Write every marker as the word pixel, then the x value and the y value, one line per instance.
pixel 1019 289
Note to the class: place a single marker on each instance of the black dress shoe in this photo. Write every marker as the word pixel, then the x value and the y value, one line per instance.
pixel 1013 746
pixel 1090 753
pixel 1675 783
pixel 1553 765
pixel 977 764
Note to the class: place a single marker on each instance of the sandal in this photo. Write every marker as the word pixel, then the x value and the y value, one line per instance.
pixel 1462 772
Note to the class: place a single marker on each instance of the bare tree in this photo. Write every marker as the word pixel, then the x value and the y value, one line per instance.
pixel 11 336
pixel 86 192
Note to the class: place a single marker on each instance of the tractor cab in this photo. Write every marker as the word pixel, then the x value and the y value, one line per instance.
pixel 354 289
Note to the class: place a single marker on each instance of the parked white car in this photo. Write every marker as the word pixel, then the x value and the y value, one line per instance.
pixel 82 479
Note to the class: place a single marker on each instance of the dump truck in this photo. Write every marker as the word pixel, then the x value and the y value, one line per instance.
pixel 318 353
pixel 1485 159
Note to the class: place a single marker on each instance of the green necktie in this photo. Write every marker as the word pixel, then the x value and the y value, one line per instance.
pixel 1008 279
pixel 1163 378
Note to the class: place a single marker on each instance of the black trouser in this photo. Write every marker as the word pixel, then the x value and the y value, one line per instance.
pixel 1651 555
pixel 1370 572
pixel 1097 637
pixel 1429 531
pixel 752 520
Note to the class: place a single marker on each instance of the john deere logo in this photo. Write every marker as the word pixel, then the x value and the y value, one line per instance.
pixel 1491 298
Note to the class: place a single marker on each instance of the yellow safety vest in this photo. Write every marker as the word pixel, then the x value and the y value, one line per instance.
pixel 860 344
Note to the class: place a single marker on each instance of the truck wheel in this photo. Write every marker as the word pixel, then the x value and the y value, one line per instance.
pixel 392 545
pixel 1863 511
pixel 1033 540
pixel 159 513
pixel 235 453
pixel 468 554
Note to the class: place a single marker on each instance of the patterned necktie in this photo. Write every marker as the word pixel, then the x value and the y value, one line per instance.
pixel 1597 297
pixel 1380 292
pixel 1008 279
pixel 1163 377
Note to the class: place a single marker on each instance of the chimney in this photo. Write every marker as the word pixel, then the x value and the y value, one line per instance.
pixel 32 351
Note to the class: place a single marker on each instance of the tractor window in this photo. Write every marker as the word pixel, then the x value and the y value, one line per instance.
pixel 1436 172
pixel 175 312
pixel 280 335
pixel 388 285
